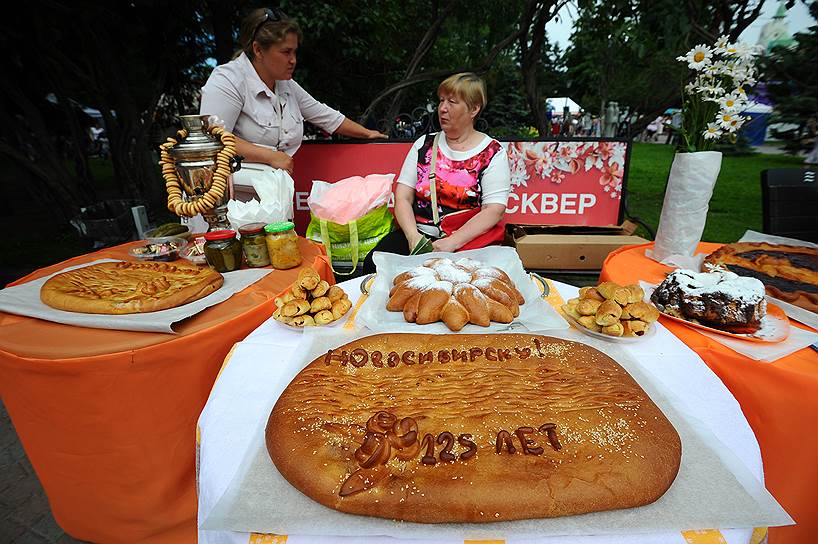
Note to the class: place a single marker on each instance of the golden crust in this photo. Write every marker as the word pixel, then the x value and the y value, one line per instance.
pixel 128 288
pixel 789 273
pixel 329 432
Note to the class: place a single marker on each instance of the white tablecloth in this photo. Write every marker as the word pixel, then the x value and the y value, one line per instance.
pixel 226 427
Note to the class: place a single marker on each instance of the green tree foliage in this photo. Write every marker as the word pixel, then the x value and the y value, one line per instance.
pixel 127 60
pixel 792 84
pixel 625 50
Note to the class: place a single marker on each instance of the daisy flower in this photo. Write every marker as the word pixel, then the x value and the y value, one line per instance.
pixel 712 132
pixel 730 102
pixel 721 44
pixel 699 57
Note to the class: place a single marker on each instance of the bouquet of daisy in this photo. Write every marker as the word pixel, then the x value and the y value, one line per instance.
pixel 712 103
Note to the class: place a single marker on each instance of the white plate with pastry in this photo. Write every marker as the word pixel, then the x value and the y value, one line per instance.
pixel 612 312
pixel 471 291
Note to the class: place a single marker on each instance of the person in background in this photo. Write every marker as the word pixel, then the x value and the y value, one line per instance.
pixel 472 172
pixel 257 99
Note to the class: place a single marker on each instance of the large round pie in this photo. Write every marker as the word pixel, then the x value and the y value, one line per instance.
pixel 471 428
pixel 128 288
pixel 789 273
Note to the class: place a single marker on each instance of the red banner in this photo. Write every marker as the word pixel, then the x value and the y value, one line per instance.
pixel 553 183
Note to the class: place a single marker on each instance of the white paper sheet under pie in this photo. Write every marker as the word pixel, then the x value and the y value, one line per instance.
pixel 24 299
pixel 535 313
pixel 713 489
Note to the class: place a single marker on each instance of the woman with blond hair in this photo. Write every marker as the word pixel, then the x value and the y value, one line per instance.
pixel 255 95
pixel 471 178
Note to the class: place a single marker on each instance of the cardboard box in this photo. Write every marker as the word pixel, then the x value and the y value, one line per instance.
pixel 552 248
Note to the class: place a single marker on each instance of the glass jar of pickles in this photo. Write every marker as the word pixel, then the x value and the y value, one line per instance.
pixel 282 245
pixel 222 250
pixel 254 245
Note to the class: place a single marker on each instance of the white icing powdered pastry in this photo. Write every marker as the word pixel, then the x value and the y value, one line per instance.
pixel 736 287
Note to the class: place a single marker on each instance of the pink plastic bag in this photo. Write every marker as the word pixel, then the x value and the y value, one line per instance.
pixel 350 198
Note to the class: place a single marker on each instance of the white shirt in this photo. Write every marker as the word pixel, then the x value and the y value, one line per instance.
pixel 495 184
pixel 273 118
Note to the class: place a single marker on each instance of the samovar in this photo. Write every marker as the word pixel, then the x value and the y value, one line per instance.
pixel 197 168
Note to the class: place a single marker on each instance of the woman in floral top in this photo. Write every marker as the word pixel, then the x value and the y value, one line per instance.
pixel 471 172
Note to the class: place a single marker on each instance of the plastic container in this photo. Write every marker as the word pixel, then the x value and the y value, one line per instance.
pixel 222 250
pixel 159 249
pixel 282 245
pixel 254 245
pixel 194 252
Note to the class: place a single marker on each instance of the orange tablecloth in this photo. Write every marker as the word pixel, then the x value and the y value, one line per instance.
pixel 779 399
pixel 108 418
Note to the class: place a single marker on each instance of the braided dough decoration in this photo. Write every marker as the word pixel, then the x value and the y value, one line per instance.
pixel 457 293
pixel 220 175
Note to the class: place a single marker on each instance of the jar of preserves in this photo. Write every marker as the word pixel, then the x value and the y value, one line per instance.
pixel 254 245
pixel 222 250
pixel 282 245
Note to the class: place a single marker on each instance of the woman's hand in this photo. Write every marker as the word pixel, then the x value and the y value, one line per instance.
pixel 279 159
pixel 374 134
pixel 446 244
pixel 413 237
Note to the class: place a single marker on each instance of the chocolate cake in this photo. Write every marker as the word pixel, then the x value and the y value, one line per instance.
pixel 719 299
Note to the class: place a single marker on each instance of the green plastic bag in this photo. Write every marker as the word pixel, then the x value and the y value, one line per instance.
pixel 351 242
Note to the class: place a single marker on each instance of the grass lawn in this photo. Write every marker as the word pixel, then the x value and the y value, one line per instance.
pixel 736 203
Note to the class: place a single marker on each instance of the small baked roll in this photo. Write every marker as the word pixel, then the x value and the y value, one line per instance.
pixel 335 293
pixel 284 299
pixel 638 327
pixel 410 309
pixel 588 306
pixel 614 330
pixel 431 302
pixel 572 311
pixel 613 291
pixel 589 322
pixel 591 293
pixel 626 328
pixel 302 321
pixel 625 313
pixel 573 301
pixel 499 312
pixel 298 291
pixel 321 303
pixel 308 279
pixel 320 289
pixel 340 307
pixel 608 313
pixel 323 317
pixel 474 302
pixel 454 314
pixel 295 307
pixel 636 293
pixel 644 311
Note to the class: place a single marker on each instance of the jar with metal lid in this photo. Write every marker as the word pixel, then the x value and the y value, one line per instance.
pixel 254 245
pixel 222 250
pixel 282 245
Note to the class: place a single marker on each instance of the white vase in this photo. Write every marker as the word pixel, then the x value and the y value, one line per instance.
pixel 684 211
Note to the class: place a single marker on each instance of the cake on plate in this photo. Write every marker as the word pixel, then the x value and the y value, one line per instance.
pixel 718 299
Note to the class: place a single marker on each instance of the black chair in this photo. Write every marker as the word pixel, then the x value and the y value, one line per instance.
pixel 790 202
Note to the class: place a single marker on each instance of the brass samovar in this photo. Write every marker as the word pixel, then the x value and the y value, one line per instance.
pixel 197 168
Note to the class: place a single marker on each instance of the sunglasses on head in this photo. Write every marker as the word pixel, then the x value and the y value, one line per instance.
pixel 270 15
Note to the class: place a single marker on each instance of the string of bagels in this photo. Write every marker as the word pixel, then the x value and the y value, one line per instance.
pixel 220 175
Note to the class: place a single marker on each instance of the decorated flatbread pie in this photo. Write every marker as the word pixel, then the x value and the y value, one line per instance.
pixel 128 288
